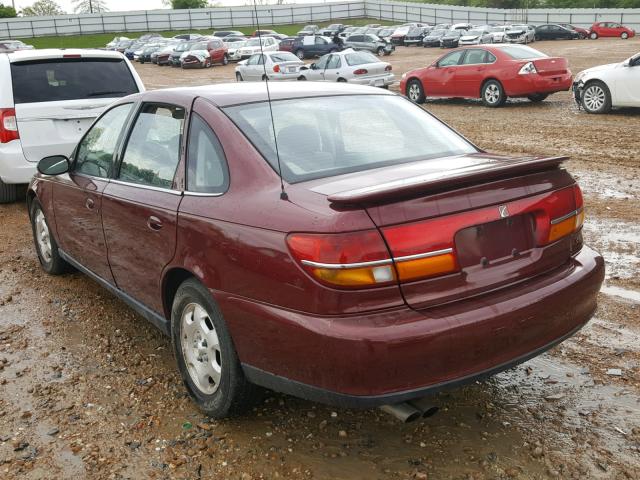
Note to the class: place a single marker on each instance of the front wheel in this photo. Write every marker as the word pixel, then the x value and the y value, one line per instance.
pixel 205 354
pixel 593 35
pixel 493 94
pixel 596 97
pixel 537 97
pixel 624 35
pixel 300 54
pixel 46 245
pixel 8 192
pixel 415 91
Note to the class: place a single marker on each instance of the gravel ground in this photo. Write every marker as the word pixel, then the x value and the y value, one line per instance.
pixel 88 389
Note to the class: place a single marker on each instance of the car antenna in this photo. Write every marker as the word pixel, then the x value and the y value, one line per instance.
pixel 283 193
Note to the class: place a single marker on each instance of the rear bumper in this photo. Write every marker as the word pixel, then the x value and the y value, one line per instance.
pixel 14 167
pixel 377 81
pixel 391 356
pixel 528 84
pixel 284 76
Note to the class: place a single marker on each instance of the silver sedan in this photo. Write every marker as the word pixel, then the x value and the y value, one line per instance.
pixel 269 65
pixel 350 66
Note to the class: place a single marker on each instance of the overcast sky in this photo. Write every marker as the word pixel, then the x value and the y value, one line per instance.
pixel 122 5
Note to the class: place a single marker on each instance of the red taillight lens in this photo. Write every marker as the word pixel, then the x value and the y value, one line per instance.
pixel 361 71
pixel 351 260
pixel 276 68
pixel 388 68
pixel 8 125
pixel 567 215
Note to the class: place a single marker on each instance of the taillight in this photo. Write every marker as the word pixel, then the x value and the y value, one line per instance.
pixel 357 259
pixel 527 69
pixel 388 68
pixel 361 71
pixel 8 125
pixel 276 68
pixel 569 222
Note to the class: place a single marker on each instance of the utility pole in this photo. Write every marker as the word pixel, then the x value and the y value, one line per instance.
pixel 90 7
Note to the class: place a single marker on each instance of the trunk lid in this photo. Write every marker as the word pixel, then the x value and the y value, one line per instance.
pixel 551 66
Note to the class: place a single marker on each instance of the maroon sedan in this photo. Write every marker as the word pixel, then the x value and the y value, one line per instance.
pixel 375 270
pixel 491 73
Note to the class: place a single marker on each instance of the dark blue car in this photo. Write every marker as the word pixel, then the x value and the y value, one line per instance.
pixel 313 46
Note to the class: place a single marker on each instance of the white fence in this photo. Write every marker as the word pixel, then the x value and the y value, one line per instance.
pixel 243 16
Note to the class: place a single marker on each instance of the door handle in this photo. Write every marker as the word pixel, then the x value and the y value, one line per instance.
pixel 89 203
pixel 154 223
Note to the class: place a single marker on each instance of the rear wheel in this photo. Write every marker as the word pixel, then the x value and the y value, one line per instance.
pixel 493 94
pixel 596 97
pixel 537 97
pixel 342 80
pixel 624 35
pixel 380 51
pixel 415 91
pixel 300 54
pixel 302 78
pixel 593 35
pixel 581 36
pixel 8 192
pixel 46 246
pixel 205 354
pixel 239 77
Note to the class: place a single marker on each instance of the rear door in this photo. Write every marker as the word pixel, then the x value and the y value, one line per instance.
pixel 332 72
pixel 471 72
pixel 140 205
pixel 57 99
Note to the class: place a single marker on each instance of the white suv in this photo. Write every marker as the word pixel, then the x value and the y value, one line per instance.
pixel 48 99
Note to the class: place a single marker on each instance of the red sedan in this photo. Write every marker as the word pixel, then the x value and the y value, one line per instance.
pixel 610 29
pixel 350 265
pixel 492 73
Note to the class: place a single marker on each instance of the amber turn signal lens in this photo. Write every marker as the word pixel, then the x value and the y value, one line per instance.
pixel 567 226
pixel 356 277
pixel 426 267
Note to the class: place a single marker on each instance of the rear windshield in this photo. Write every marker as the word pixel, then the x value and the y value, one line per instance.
pixel 284 57
pixel 360 58
pixel 326 136
pixel 70 79
pixel 521 52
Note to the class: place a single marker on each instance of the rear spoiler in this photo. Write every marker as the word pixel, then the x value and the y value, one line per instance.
pixel 433 182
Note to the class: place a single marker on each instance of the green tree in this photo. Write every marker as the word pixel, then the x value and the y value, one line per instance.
pixel 7 12
pixel 42 8
pixel 90 6
pixel 182 4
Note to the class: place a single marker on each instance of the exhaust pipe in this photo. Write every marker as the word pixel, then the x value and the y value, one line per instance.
pixel 403 412
pixel 425 406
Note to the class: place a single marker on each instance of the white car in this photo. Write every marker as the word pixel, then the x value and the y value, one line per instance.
pixel 269 44
pixel 233 49
pixel 498 32
pixel 475 36
pixel 277 65
pixel 48 99
pixel 599 89
pixel 350 66
pixel 520 33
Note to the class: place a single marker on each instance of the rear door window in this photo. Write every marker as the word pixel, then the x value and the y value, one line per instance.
pixel 207 170
pixel 153 149
pixel 70 79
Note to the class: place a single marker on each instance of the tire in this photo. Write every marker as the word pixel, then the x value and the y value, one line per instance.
pixel 380 51
pixel 537 97
pixel 624 35
pixel 205 354
pixel 415 91
pixel 302 78
pixel 342 80
pixel 45 243
pixel 225 60
pixel 493 94
pixel 300 54
pixel 596 97
pixel 581 36
pixel 8 192
pixel 239 77
pixel 207 63
pixel 264 78
pixel 593 36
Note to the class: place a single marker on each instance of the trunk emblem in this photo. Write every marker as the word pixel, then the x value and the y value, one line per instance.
pixel 504 212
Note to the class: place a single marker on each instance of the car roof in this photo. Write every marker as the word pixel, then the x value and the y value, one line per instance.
pixel 227 94
pixel 52 53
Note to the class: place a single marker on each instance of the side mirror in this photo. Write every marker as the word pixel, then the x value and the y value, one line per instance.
pixel 313 66
pixel 53 165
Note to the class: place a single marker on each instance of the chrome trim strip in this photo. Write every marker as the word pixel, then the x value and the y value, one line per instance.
pixel 375 263
pixel 565 217
pixel 201 194
pixel 418 256
pixel 146 187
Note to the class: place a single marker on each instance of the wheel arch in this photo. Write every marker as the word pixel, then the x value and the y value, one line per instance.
pixel 171 281
pixel 605 83
pixel 411 79
pixel 488 79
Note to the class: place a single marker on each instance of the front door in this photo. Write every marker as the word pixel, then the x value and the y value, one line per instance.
pixel 627 84
pixel 139 206
pixel 77 197
pixel 333 71
pixel 442 76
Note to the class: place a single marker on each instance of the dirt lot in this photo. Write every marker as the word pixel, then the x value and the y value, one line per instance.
pixel 88 389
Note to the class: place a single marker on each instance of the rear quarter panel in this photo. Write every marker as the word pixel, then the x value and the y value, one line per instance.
pixel 6 87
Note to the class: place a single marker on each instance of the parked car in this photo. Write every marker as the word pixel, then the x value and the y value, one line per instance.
pixel 432 39
pixel 190 37
pixel 9 46
pixel 163 56
pixel 333 29
pixel 451 39
pixel 520 33
pixel 123 45
pixel 178 50
pixel 610 29
pixel 397 268
pixel 136 47
pixel 228 33
pixel 498 32
pixel 415 36
pixel 233 50
pixel 399 34
pixel 269 44
pixel 260 33
pixel 48 99
pixel 197 56
pixel 116 40
pixel 147 37
pixel 309 30
pixel 270 65
pixel 349 30
pixel 350 66
pixel 312 46
pixel 218 51
pixel 555 32
pixel 599 89
pixel 582 32
pixel 461 26
pixel 370 43
pixel 145 55
pixel 385 33
pixel 476 36
pixel 491 73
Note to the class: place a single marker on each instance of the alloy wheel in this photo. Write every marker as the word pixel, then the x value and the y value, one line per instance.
pixel 594 97
pixel 492 94
pixel 414 92
pixel 201 348
pixel 43 237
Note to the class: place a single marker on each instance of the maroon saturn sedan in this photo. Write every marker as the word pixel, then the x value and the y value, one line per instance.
pixel 391 259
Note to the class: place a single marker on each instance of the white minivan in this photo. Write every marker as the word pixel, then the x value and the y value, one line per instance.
pixel 48 99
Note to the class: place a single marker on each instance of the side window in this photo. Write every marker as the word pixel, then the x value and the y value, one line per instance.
pixel 322 63
pixel 334 62
pixel 490 57
pixel 253 60
pixel 95 153
pixel 452 59
pixel 207 170
pixel 474 57
pixel 320 41
pixel 153 150
pixel 260 60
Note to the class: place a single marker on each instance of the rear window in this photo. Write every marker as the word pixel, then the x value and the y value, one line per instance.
pixel 284 57
pixel 326 136
pixel 70 79
pixel 521 52
pixel 359 58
